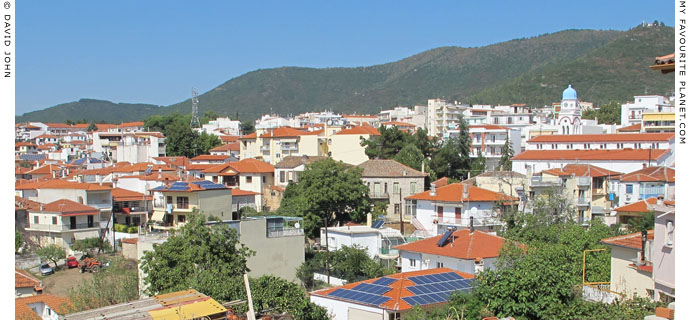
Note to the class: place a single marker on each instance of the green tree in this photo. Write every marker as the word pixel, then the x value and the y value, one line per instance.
pixel 113 285
pixel 505 164
pixel 92 127
pixel 609 113
pixel 247 127
pixel 386 145
pixel 326 189
pixel 209 259
pixel 281 296
pixel 181 140
pixel 52 252
pixel 478 165
pixel 643 222
pixel 18 240
pixel 411 156
pixel 452 159
pixel 92 243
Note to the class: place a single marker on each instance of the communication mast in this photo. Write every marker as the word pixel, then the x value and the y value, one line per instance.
pixel 195 123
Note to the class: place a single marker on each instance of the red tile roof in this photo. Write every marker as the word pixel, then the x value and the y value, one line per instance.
pixel 60 305
pixel 238 192
pixel 69 208
pixel 441 182
pixel 398 288
pixel 283 132
pixel 142 166
pixel 120 194
pixel 489 127
pixel 466 245
pixel 453 193
pixel 398 124
pixel 640 206
pixel 228 139
pixel 210 157
pixel 174 161
pixel 58 125
pixel 622 155
pixel 252 166
pixel 217 168
pixel 21 203
pixel 46 136
pixel 132 124
pixel 631 128
pixel 130 240
pixel 200 166
pixel 595 138
pixel 651 174
pixel 632 241
pixel 249 136
pixel 581 170
pixel 61 184
pixel 152 177
pixel 234 146
pixel 46 169
pixel 23 279
pixel 360 130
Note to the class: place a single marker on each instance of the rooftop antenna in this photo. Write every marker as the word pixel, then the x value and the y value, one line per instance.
pixel 195 123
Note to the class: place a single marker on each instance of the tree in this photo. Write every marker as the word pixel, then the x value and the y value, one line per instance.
pixel 452 159
pixel 609 113
pixel 18 240
pixel 326 189
pixel 209 259
pixel 505 164
pixel 386 145
pixel 478 164
pixel 92 243
pixel 643 222
pixel 113 285
pixel 281 296
pixel 247 127
pixel 181 140
pixel 411 156
pixel 92 127
pixel 52 252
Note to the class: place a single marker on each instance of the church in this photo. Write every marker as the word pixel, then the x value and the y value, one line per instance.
pixel 569 118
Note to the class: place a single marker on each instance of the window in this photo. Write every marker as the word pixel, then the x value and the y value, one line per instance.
pixel 413 263
pixel 182 202
pixel 602 146
pixel 439 211
pixel 169 200
pixel 263 179
pixel 54 220
pixel 282 176
pixel 439 264
pixel 181 218
pixel 413 187
pixel 397 209
pixel 628 188
pixel 35 219
pixel 396 187
pixel 554 146
pixel 249 179
pixel 669 232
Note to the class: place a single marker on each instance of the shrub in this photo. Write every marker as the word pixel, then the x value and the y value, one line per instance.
pixel 132 230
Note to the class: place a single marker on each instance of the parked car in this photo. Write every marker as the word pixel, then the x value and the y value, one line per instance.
pixel 46 269
pixel 72 262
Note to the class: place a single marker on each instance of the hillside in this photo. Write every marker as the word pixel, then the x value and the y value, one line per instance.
pixel 602 65
pixel 92 110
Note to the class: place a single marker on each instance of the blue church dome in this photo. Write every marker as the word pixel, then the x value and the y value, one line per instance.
pixel 569 93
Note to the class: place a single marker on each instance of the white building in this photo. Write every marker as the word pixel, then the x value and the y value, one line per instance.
pixel 616 141
pixel 376 242
pixel 456 205
pixel 650 182
pixel 626 160
pixel 441 115
pixel 132 147
pixel 631 112
pixel 570 115
pixel 222 125
pixel 489 139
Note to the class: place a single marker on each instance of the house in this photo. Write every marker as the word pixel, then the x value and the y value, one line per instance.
pixel 131 208
pixel 21 211
pixel 392 296
pixel 613 141
pixel 248 175
pixel 180 305
pixel 172 162
pixel 664 253
pixel 346 146
pixel 622 160
pixel 25 148
pixel 490 139
pixel 626 213
pixel 45 139
pixel 587 187
pixel 456 205
pixel 469 251
pixel 378 242
pixel 242 199
pixel 62 222
pixel 132 147
pixel 212 159
pixel 274 144
pixel 631 271
pixel 288 169
pixel 26 284
pixel 42 306
pixel 632 112
pixel 228 149
pixel 184 198
pixel 390 182
pixel 646 183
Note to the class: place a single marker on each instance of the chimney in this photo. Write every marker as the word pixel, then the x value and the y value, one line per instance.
pixel 41 207
pixel 644 165
pixel 433 190
pixel 160 171
pixel 369 219
pixel 465 192
pixel 471 224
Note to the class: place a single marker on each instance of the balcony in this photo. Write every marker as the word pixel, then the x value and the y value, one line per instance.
pixel 388 253
pixel 278 227
pixel 265 148
pixel 598 192
pixel 465 222
pixel 288 147
pixel 582 202
pixel 185 209
pixel 102 205
pixel 584 182
pixel 62 227
pixel 651 192
pixel 539 181
pixel 378 195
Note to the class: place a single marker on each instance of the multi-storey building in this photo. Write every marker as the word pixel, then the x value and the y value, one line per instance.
pixel 62 222
pixel 132 147
pixel 632 112
pixel 191 198
pixel 391 182
pixel 490 139
pixel 442 115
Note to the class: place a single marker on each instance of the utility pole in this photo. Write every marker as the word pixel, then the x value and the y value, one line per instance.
pixel 195 123
pixel 328 269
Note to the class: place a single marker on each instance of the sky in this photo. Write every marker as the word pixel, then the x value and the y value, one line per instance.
pixel 156 51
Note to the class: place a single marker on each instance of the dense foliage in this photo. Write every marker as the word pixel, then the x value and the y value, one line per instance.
pixel 181 140
pixel 89 244
pixel 52 253
pixel 118 283
pixel 609 113
pixel 209 259
pixel 507 152
pixel 273 295
pixel 452 158
pixel 347 263
pixel 326 189
pixel 18 240
pixel 643 222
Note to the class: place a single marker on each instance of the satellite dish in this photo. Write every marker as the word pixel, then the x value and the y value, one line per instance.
pixel 297 225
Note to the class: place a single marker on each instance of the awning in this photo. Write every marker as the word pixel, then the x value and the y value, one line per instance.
pixel 81 235
pixel 158 216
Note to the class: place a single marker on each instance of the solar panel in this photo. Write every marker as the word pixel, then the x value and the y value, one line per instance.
pixel 148 171
pixel 444 238
pixel 384 281
pixel 377 224
pixel 362 297
pixel 372 288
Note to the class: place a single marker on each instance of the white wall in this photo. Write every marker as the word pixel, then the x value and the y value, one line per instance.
pixel 337 240
pixel 340 309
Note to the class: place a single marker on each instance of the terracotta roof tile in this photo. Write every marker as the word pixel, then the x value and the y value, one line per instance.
pixel 174 161
pixel 595 138
pixel 454 193
pixel 228 139
pixel 651 174
pixel 27 204
pixel 640 206
pixel 69 208
pixel 360 130
pixel 290 162
pixel 59 304
pixel 624 154
pixel 249 136
pixel 632 241
pixel 441 182
pixel 631 128
pixel 466 245
pixel 252 166
pixel 234 146
pixel 61 184
pixel 238 192
pixel 120 194
pixel 283 132
pixel 581 170
pixel 388 168
pixel 130 240
pixel 210 157
pixel 23 279
pixel 131 124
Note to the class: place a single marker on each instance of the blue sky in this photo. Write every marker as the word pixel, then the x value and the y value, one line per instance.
pixel 156 51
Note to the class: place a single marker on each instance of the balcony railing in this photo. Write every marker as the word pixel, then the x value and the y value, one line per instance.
pixel 100 204
pixel 465 222
pixel 583 182
pixel 378 195
pixel 285 232
pixel 648 192
pixel 288 147
pixel 62 227
pixel 265 148
pixel 539 181
pixel 389 252
pixel 582 202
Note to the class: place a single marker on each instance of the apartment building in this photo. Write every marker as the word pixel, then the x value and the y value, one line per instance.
pixel 648 182
pixel 490 139
pixel 632 112
pixel 132 147
pixel 184 198
pixel 442 115
pixel 390 182
pixel 62 222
